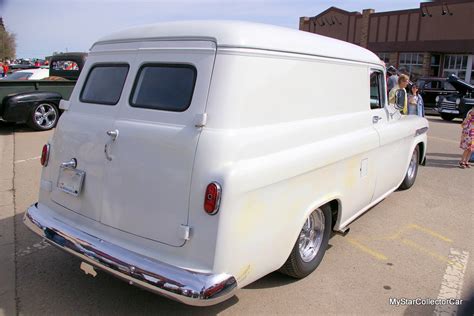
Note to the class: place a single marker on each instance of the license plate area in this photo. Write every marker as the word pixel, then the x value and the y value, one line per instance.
pixel 70 180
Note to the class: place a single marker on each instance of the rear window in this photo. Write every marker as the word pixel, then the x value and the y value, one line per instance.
pixel 164 87
pixel 67 65
pixel 104 84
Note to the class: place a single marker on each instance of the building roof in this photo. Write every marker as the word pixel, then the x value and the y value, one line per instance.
pixel 247 35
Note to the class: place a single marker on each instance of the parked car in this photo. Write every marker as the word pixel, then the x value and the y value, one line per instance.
pixel 456 104
pixel 191 187
pixel 30 74
pixel 36 102
pixel 22 64
pixel 430 88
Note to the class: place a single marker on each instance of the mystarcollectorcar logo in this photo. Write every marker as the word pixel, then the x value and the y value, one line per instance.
pixel 423 301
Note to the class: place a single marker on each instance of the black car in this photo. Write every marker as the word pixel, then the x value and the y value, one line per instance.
pixel 456 104
pixel 430 88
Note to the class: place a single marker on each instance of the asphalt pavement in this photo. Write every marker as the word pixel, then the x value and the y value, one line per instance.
pixel 414 244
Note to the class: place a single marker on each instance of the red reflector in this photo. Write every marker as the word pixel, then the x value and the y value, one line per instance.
pixel 212 198
pixel 45 155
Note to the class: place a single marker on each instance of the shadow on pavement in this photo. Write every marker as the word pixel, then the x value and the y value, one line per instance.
pixel 439 120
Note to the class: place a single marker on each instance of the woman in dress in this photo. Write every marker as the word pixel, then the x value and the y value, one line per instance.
pixel 466 139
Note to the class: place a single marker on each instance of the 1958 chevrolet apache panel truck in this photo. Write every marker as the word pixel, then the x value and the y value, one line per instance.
pixel 193 158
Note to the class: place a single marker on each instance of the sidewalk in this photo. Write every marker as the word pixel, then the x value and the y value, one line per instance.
pixel 7 236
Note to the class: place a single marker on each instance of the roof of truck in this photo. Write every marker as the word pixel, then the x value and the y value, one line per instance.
pixel 247 35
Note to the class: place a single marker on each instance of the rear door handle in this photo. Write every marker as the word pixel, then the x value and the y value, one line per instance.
pixel 113 136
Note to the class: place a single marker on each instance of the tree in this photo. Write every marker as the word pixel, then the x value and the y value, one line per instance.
pixel 7 44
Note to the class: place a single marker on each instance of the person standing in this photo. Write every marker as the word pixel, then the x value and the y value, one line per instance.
pixel 415 102
pixel 398 95
pixel 466 139
pixel 5 68
pixel 392 81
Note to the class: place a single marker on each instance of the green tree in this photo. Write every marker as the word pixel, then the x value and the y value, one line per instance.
pixel 7 44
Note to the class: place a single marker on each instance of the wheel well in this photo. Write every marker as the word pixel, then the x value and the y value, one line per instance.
pixel 335 207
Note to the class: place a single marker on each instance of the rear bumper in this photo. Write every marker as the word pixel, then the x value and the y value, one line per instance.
pixel 186 286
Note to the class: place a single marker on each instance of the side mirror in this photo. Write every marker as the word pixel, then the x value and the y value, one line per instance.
pixel 400 99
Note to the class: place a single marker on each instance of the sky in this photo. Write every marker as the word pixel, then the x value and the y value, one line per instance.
pixel 45 26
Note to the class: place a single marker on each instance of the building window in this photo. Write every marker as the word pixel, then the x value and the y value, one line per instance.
pixel 411 64
pixel 455 64
pixel 385 57
pixel 434 65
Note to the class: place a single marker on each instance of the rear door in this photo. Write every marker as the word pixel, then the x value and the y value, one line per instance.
pixel 148 179
pixel 81 136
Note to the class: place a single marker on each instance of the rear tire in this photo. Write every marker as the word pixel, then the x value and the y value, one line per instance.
pixel 448 117
pixel 310 247
pixel 412 170
pixel 43 117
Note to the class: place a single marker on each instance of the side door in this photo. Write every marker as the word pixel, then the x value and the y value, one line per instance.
pixel 149 177
pixel 81 133
pixel 394 135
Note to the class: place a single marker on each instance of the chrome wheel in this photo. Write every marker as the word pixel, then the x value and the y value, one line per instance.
pixel 413 165
pixel 45 116
pixel 311 236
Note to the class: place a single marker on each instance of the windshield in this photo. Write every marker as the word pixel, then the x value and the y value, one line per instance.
pixel 19 76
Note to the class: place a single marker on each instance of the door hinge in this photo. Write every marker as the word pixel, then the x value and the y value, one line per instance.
pixel 200 120
pixel 184 232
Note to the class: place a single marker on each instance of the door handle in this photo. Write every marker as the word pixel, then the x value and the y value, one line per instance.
pixel 70 164
pixel 376 119
pixel 113 136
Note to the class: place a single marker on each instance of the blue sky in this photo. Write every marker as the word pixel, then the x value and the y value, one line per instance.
pixel 45 26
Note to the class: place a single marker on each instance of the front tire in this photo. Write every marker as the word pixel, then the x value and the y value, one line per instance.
pixel 311 245
pixel 412 170
pixel 43 117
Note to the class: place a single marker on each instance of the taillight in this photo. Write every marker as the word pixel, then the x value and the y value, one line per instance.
pixel 45 155
pixel 212 199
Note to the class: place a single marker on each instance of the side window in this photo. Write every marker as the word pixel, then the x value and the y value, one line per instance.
pixel 164 87
pixel 377 90
pixel 435 85
pixel 104 84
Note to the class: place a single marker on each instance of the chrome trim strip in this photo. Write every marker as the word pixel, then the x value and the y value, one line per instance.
pixel 186 286
pixel 421 131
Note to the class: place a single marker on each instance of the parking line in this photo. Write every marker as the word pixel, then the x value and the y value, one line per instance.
pixel 451 286
pixel 373 253
pixel 430 232
pixel 433 254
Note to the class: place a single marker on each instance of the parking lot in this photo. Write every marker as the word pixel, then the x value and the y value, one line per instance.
pixel 414 244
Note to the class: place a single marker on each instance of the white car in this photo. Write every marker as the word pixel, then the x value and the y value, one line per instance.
pixel 29 74
pixel 193 158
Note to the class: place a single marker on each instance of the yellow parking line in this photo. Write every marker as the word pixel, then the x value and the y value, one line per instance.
pixel 430 232
pixel 366 249
pixel 433 254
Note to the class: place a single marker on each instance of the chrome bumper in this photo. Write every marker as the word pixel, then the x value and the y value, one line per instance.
pixel 189 287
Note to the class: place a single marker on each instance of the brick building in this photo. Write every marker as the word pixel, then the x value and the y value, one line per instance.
pixel 436 39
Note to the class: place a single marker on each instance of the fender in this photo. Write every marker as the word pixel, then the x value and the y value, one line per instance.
pixel 17 107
